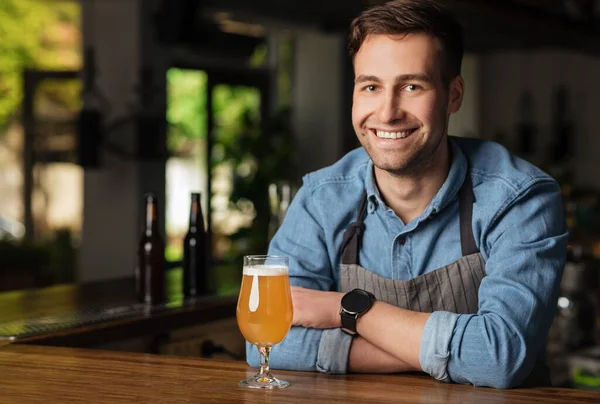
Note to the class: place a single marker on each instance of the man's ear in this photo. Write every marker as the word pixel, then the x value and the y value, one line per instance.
pixel 455 94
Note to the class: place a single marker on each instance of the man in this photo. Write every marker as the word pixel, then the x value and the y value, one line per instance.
pixel 445 254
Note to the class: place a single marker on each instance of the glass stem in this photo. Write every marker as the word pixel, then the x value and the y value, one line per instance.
pixel 264 351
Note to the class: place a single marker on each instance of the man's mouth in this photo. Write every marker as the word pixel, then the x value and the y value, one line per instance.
pixel 393 135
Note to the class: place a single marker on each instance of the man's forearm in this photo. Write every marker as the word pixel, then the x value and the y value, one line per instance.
pixel 394 330
pixel 367 358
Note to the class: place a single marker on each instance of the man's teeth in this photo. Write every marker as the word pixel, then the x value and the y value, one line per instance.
pixel 393 135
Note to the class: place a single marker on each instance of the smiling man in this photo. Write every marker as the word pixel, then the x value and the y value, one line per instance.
pixel 420 251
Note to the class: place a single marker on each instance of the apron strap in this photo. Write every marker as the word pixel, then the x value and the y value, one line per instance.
pixel 353 236
pixel 465 203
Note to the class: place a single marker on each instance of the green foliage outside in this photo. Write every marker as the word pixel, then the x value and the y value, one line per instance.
pixel 259 153
pixel 186 108
pixel 37 34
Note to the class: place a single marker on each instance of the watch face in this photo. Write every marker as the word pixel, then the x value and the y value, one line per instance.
pixel 356 301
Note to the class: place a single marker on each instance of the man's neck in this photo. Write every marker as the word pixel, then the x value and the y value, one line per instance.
pixel 409 195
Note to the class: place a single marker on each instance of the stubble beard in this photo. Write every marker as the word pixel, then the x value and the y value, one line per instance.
pixel 418 160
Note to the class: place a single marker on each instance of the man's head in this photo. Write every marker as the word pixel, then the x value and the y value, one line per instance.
pixel 401 17
pixel 407 56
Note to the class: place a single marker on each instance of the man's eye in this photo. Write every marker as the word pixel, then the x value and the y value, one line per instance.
pixel 370 88
pixel 411 88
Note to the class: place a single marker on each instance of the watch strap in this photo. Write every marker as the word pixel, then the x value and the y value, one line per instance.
pixel 348 322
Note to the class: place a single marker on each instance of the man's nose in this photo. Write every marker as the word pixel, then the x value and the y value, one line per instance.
pixel 390 109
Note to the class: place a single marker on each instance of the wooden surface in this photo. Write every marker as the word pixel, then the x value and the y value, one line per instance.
pixel 28 303
pixel 56 300
pixel 42 374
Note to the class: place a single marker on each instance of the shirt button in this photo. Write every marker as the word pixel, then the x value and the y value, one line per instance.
pixel 402 240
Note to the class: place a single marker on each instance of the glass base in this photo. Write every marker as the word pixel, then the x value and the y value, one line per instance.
pixel 261 382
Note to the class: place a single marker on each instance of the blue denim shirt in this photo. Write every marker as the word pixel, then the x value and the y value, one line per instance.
pixel 519 228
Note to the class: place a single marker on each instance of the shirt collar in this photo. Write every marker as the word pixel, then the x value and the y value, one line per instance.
pixel 370 185
pixel 446 194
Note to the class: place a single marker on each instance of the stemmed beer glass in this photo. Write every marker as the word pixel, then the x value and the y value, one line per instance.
pixel 264 311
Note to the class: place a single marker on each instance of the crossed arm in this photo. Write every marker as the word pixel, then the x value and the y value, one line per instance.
pixel 367 358
pixel 373 351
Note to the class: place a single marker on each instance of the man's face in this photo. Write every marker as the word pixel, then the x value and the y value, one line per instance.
pixel 400 105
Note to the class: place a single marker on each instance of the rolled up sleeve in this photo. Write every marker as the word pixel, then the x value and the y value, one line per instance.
pixel 435 343
pixel 334 349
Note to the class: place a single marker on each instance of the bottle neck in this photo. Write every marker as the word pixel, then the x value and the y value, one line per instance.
pixel 151 227
pixel 196 219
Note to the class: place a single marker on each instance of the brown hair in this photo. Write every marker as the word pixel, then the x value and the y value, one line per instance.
pixel 400 17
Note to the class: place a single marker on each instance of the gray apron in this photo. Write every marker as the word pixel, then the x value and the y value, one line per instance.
pixel 452 288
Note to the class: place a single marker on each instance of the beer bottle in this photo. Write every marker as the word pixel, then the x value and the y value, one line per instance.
pixel 150 274
pixel 195 274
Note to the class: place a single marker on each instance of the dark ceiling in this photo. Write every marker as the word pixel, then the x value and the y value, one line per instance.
pixel 489 24
pixel 522 24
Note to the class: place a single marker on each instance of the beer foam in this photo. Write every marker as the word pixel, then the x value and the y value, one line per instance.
pixel 266 270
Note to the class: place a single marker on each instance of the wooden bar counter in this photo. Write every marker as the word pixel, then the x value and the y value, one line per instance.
pixel 83 315
pixel 44 374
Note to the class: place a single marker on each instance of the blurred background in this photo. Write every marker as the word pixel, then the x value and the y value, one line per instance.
pixel 102 101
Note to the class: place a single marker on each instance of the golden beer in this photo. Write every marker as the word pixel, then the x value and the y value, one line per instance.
pixel 264 310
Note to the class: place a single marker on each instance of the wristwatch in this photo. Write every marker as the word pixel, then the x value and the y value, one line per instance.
pixel 354 304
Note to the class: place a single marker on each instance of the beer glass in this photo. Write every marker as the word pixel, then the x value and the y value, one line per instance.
pixel 264 311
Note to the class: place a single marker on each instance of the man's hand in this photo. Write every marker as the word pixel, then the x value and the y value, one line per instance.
pixel 315 308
